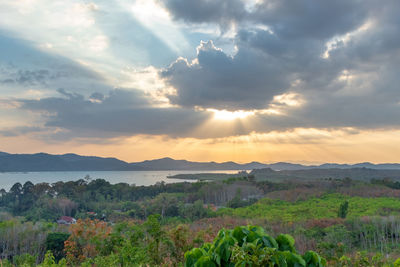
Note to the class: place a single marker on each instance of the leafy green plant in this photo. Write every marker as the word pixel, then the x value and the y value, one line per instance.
pixel 251 246
pixel 49 261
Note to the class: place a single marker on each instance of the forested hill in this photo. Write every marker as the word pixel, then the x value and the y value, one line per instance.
pixel 334 173
pixel 172 164
pixel 66 162
pixel 73 162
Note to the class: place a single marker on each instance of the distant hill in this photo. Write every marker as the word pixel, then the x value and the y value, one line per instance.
pixel 73 162
pixel 171 164
pixel 334 173
pixel 287 166
pixel 385 166
pixel 67 162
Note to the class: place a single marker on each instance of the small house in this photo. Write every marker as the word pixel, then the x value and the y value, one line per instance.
pixel 66 220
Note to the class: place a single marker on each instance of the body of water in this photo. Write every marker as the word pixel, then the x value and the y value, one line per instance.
pixel 8 179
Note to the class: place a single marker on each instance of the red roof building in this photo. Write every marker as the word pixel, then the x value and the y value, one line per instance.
pixel 66 220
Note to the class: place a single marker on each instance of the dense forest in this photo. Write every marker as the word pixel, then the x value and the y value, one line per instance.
pixel 241 221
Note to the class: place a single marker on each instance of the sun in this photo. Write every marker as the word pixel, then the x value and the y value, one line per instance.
pixel 226 115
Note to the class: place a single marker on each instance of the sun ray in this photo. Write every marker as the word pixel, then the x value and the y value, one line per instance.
pixel 158 21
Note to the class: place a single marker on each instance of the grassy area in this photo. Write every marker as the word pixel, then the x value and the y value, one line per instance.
pixel 315 208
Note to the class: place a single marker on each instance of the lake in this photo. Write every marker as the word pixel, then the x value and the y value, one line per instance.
pixel 8 179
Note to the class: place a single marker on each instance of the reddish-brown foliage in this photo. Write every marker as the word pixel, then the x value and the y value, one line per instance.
pixel 86 240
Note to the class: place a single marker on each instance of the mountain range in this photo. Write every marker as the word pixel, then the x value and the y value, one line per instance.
pixel 73 162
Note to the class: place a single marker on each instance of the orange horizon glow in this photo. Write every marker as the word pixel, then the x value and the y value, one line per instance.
pixel 306 146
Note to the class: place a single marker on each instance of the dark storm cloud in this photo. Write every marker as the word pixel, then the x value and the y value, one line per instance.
pixel 199 11
pixel 7 81
pixel 282 48
pixel 121 113
pixel 30 77
pixel 128 112
pixel 304 18
pixel 334 112
pixel 20 130
pixel 23 64
pixel 44 77
pixel 284 45
pixel 224 82
pixel 263 67
pixel 311 18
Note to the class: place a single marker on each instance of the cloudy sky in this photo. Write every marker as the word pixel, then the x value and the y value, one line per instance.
pixel 266 80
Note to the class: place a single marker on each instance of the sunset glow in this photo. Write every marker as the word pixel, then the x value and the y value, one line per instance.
pixel 226 115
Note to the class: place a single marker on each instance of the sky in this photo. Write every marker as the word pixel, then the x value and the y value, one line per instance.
pixel 305 81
